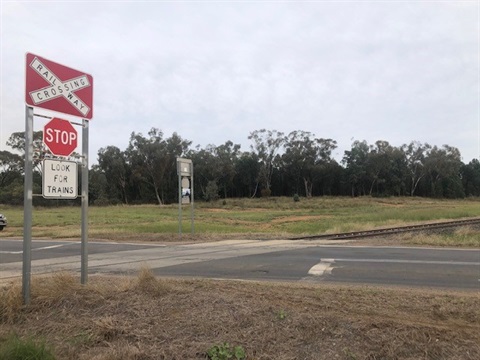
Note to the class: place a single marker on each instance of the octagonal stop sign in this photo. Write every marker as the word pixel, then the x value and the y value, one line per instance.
pixel 60 137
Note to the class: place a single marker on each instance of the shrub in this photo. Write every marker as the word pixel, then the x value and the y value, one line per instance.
pixel 16 349
pixel 266 193
pixel 211 191
pixel 296 198
pixel 223 352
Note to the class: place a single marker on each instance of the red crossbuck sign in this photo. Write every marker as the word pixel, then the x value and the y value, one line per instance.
pixel 56 87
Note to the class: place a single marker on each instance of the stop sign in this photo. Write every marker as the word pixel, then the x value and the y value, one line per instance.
pixel 60 137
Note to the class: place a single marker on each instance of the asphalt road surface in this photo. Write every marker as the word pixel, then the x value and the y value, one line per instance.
pixel 279 260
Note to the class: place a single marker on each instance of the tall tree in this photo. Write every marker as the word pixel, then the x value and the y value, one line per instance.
pixel 17 142
pixel 153 160
pixel 355 161
pixel 266 145
pixel 305 157
pixel 215 167
pixel 227 156
pixel 471 178
pixel 443 169
pixel 11 166
pixel 206 170
pixel 112 161
pixel 144 155
pixel 98 187
pixel 415 155
pixel 247 173
pixel 385 169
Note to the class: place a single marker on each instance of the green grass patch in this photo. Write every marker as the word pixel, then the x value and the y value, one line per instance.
pixel 14 348
pixel 271 216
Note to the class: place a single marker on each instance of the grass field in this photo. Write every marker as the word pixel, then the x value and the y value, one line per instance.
pixel 249 218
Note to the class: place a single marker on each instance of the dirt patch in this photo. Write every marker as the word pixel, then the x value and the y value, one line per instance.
pixel 236 209
pixel 150 318
pixel 214 210
pixel 307 218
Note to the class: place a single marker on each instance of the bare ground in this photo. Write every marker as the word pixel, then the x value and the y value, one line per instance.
pixel 150 318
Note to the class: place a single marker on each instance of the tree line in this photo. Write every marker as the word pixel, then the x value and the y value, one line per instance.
pixel 277 164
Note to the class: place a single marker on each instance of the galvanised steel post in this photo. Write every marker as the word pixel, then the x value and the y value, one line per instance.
pixel 27 206
pixel 84 246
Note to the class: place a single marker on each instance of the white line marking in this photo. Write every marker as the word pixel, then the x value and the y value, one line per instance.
pixel 426 262
pixel 325 266
pixel 40 248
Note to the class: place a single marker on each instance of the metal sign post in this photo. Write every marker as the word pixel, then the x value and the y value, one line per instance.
pixel 185 190
pixel 27 206
pixel 84 246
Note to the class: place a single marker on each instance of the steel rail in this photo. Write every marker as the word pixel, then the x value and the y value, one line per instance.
pixel 388 231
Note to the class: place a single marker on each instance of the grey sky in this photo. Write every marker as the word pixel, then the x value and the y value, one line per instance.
pixel 215 71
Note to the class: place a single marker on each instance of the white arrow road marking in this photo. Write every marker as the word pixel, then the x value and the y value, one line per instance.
pixel 323 267
pixel 59 88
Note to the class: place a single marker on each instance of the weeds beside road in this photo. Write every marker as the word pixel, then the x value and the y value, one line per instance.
pixel 148 318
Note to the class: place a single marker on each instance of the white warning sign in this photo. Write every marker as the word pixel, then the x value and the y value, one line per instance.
pixel 60 179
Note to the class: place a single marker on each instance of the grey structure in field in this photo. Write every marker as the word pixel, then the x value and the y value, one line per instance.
pixel 185 190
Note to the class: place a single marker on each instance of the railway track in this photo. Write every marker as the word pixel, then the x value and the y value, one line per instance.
pixel 391 231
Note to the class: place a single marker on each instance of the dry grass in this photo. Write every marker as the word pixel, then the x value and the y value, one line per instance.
pixel 120 318
pixel 462 237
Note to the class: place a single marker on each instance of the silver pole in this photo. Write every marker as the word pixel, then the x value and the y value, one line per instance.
pixel 27 206
pixel 180 204
pixel 191 196
pixel 84 246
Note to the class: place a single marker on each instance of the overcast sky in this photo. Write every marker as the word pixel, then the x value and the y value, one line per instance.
pixel 214 71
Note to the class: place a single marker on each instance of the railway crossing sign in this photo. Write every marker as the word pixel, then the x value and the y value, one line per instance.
pixel 55 87
pixel 58 88
pixel 60 137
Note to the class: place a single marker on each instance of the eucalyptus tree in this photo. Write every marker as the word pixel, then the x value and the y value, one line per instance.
pixel 17 142
pixel 98 187
pixel 305 158
pixel 112 161
pixel 11 178
pixel 247 170
pixel 415 155
pixel 227 157
pixel 471 178
pixel 11 166
pixel 443 171
pixel 386 169
pixel 206 171
pixel 153 161
pixel 266 145
pixel 355 162
pixel 215 168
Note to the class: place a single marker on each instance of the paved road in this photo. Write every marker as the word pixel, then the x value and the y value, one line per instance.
pixel 308 261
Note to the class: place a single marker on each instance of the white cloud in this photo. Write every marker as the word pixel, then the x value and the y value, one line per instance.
pixel 214 71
